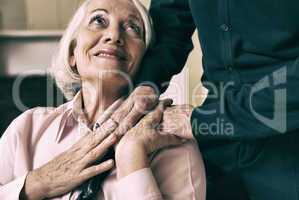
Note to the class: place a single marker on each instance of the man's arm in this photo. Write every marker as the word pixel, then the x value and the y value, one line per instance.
pixel 266 108
pixel 174 26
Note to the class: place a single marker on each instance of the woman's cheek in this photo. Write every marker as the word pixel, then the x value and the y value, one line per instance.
pixel 133 68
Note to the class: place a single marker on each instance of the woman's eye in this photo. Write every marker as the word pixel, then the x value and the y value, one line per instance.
pixel 134 27
pixel 98 20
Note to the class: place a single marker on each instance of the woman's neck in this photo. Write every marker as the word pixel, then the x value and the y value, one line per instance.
pixel 96 99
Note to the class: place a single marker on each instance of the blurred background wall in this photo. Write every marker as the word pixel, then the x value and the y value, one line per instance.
pixel 30 31
pixel 12 14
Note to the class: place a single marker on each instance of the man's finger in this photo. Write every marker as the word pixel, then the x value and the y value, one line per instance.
pixel 145 103
pixel 167 102
pixel 170 140
pixel 158 112
pixel 154 118
pixel 137 111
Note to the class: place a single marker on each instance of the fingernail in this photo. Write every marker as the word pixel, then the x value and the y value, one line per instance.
pixel 110 162
pixel 184 140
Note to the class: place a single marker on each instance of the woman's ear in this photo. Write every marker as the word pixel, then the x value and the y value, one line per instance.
pixel 72 59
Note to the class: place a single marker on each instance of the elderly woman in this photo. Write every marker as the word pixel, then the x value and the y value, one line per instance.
pixel 50 152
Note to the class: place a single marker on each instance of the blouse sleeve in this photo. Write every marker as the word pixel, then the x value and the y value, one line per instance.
pixel 175 173
pixel 140 185
pixel 10 183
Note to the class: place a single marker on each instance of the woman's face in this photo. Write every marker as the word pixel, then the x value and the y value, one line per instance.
pixel 111 37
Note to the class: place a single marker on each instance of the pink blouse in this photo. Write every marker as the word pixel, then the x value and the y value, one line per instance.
pixel 40 134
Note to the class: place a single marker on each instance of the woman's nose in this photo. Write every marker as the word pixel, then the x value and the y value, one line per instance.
pixel 113 36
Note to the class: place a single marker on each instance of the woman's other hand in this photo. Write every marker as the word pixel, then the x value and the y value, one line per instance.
pixel 71 168
pixel 135 146
pixel 140 102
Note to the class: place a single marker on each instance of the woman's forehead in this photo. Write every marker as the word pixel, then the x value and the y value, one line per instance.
pixel 126 7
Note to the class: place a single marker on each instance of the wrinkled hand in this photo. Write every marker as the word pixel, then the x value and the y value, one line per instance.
pixel 133 149
pixel 145 133
pixel 177 121
pixel 71 168
pixel 141 101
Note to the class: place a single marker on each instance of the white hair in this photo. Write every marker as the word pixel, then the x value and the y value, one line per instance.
pixel 68 80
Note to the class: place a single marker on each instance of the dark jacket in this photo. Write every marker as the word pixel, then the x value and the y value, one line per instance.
pixel 249 124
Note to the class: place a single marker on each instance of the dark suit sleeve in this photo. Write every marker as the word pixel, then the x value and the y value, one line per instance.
pixel 264 109
pixel 174 26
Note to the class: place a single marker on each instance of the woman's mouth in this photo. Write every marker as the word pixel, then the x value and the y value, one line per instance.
pixel 113 54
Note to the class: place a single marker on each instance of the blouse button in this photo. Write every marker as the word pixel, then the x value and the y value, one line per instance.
pixel 224 27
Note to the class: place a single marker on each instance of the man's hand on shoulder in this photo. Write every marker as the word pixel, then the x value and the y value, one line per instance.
pixel 177 121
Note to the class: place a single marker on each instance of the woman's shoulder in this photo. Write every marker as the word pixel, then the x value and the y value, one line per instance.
pixel 28 128
pixel 40 113
pixel 35 117
pixel 179 154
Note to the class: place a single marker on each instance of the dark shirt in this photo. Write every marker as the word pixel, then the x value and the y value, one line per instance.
pixel 250 56
pixel 250 50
